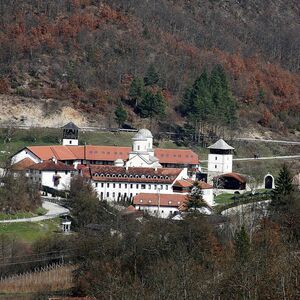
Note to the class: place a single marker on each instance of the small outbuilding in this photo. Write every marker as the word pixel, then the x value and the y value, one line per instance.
pixel 230 181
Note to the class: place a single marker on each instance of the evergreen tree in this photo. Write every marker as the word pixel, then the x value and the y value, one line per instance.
pixel 283 188
pixel 120 114
pixel 242 245
pixel 195 198
pixel 136 90
pixel 152 77
pixel 152 105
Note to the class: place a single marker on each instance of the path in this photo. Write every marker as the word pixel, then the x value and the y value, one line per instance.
pixel 267 141
pixel 54 210
pixel 263 158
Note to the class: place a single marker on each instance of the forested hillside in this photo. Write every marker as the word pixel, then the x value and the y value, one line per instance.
pixel 86 53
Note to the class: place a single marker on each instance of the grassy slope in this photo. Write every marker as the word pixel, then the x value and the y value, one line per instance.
pixel 30 232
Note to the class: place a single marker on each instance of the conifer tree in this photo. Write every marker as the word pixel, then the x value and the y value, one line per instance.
pixel 152 105
pixel 242 244
pixel 195 198
pixel 152 77
pixel 136 90
pixel 120 114
pixel 283 188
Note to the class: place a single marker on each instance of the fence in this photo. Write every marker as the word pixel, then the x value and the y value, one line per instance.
pixel 57 276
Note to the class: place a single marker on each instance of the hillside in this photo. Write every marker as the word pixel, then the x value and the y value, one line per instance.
pixel 83 54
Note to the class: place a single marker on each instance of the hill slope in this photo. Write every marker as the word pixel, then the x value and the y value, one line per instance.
pixel 85 53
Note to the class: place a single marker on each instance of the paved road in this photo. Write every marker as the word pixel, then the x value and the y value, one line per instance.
pixel 268 141
pixel 54 210
pixel 264 158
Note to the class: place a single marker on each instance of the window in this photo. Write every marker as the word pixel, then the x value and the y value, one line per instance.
pixel 137 186
pixel 107 184
pixel 125 185
pixel 215 166
pixel 131 185
pixel 102 184
pixel 66 172
pixel 138 147
pixel 101 195
pixel 96 184
pixel 40 172
pixel 55 172
pixel 167 187
pixel 107 194
pixel 143 186
pixel 149 186
pixel 161 186
pixel 114 194
pixel 70 142
pixel 114 185
pixel 155 186
pixel 216 158
pixel 120 185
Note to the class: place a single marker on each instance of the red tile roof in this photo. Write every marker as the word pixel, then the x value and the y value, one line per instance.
pixel 176 156
pixel 236 176
pixel 172 200
pixel 50 165
pixel 110 153
pixel 22 164
pixel 104 173
pixel 186 183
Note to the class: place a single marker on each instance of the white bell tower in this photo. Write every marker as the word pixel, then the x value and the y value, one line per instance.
pixel 219 158
pixel 70 134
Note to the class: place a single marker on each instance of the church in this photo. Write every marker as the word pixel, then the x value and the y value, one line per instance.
pixel 142 174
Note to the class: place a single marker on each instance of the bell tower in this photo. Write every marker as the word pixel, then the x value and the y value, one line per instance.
pixel 219 158
pixel 70 134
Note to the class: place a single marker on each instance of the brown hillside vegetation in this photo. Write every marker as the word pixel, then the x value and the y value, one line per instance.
pixel 88 51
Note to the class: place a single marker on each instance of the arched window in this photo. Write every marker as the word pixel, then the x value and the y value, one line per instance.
pixel 119 175
pixel 136 176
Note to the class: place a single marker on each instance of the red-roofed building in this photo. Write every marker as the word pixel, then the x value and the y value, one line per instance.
pixel 162 205
pixel 51 174
pixel 140 154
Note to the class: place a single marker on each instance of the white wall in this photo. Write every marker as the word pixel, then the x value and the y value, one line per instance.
pixel 46 178
pixel 164 211
pixel 220 163
pixel 25 153
pixel 208 196
pixel 111 190
pixel 70 142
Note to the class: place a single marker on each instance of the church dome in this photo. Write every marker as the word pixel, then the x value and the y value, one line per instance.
pixel 146 133
pixel 139 137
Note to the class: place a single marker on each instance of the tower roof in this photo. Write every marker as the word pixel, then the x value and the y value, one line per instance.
pixel 70 125
pixel 145 132
pixel 220 145
pixel 139 137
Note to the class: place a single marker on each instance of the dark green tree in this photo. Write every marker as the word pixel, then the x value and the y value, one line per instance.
pixel 152 106
pixel 152 77
pixel 83 202
pixel 283 189
pixel 136 90
pixel 120 114
pixel 242 244
pixel 195 198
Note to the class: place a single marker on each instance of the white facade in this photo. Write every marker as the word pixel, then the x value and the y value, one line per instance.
pixel 142 154
pixel 47 178
pixel 208 196
pixel 25 153
pixel 116 190
pixel 219 163
pixel 113 191
pixel 70 142
pixel 161 212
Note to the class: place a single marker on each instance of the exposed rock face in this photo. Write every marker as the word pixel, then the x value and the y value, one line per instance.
pixel 37 112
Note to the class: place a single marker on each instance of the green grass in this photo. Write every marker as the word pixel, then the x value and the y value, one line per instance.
pixel 224 199
pixel 21 215
pixel 30 231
